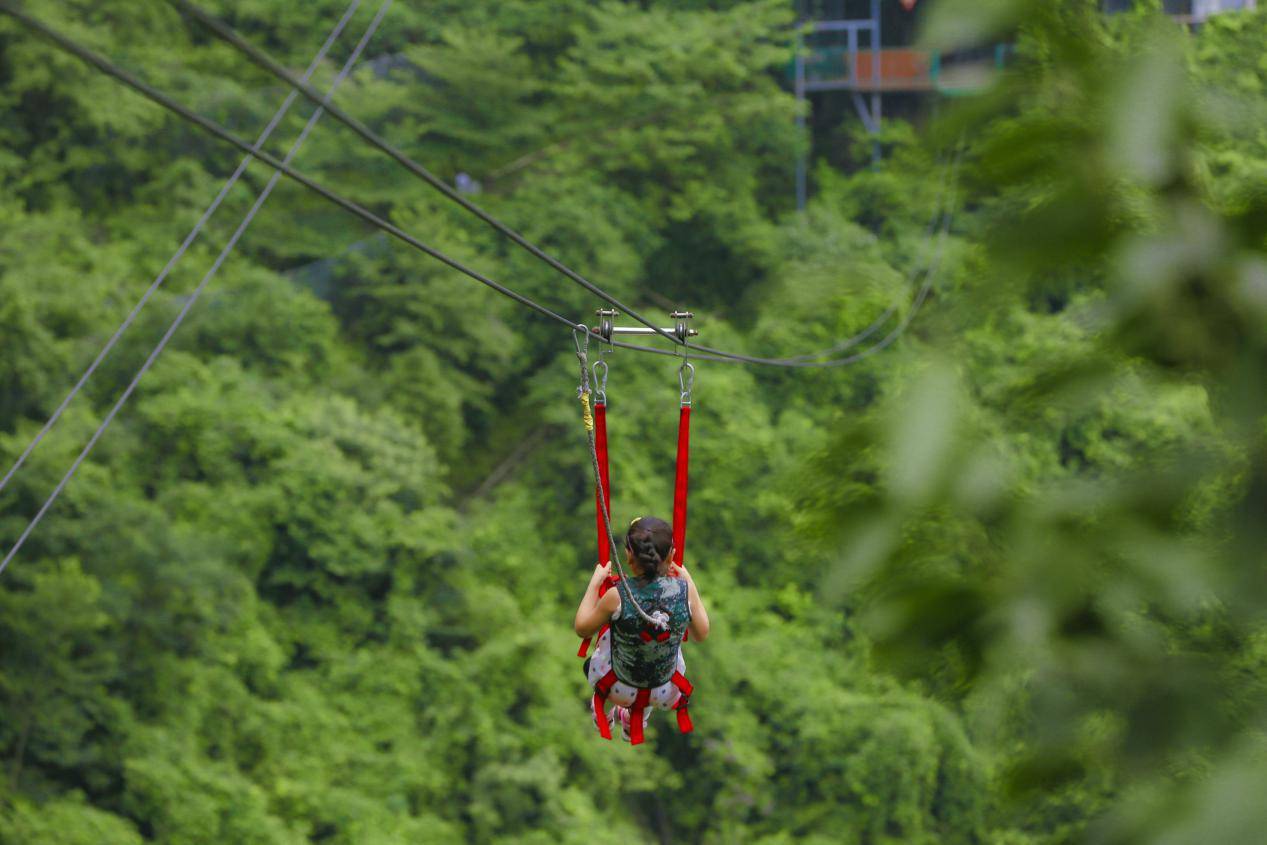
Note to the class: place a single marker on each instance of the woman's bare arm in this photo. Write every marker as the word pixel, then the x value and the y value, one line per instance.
pixel 699 626
pixel 594 612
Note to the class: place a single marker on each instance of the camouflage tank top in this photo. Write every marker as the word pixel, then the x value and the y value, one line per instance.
pixel 638 661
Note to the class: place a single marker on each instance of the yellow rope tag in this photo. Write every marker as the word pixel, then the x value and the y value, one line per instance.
pixel 589 418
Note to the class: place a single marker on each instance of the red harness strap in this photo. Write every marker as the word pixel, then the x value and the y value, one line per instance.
pixel 679 488
pixel 604 548
pixel 679 484
pixel 600 717
pixel 601 690
pixel 600 447
pixel 641 700
pixel 683 714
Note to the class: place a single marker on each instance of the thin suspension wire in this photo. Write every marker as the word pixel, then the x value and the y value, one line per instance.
pixel 283 168
pixel 193 297
pixel 944 193
pixel 263 60
pixel 918 302
pixel 154 95
pixel 931 271
pixel 224 32
pixel 184 246
pixel 107 67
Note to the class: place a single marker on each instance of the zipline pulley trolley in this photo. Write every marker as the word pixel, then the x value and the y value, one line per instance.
pixel 607 328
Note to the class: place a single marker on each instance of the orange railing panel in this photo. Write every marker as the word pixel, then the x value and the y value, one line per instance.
pixel 898 67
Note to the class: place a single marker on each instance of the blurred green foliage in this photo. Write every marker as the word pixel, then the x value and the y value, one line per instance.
pixel 999 584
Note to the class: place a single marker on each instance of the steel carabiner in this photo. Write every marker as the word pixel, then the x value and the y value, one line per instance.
pixel 600 382
pixel 582 347
pixel 686 382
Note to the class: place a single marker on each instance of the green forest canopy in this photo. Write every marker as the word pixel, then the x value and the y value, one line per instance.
pixel 1000 583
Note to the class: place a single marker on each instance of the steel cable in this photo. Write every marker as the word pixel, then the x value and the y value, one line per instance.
pixel 259 57
pixel 283 167
pixel 107 67
pixel 149 92
pixel 263 60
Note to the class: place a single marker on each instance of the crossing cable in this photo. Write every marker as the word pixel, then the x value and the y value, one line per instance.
pixel 944 193
pixel 921 296
pixel 184 246
pixel 148 91
pixel 931 272
pixel 193 297
pixel 154 95
pixel 226 33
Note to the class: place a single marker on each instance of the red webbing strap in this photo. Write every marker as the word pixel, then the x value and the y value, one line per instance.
pixel 679 484
pixel 600 717
pixel 600 447
pixel 604 548
pixel 601 690
pixel 635 716
pixel 683 713
pixel 605 683
pixel 683 685
pixel 679 488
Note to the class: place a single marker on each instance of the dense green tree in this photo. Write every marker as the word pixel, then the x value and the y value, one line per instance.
pixel 314 584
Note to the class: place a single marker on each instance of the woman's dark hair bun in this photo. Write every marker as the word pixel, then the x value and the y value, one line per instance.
pixel 650 539
pixel 646 550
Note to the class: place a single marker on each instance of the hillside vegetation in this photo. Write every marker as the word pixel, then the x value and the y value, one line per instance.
pixel 998 583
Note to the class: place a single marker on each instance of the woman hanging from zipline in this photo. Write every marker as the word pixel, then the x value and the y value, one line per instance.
pixel 637 666
pixel 641 619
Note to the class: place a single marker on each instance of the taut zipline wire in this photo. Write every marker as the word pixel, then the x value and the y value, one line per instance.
pixel 224 32
pixel 282 167
pixel 268 63
pixel 148 91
